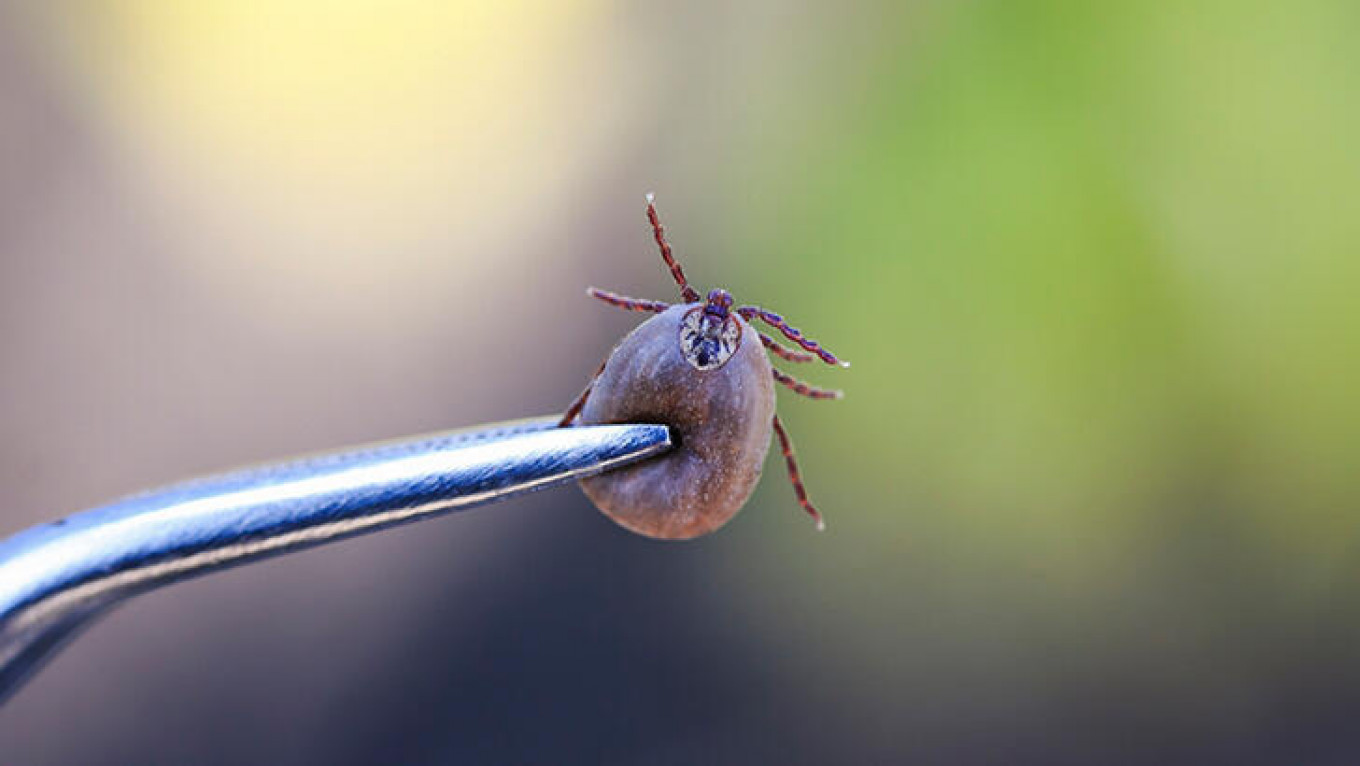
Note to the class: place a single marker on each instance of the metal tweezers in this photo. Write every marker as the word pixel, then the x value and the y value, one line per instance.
pixel 57 578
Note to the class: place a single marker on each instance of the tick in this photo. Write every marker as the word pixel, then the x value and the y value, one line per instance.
pixel 700 367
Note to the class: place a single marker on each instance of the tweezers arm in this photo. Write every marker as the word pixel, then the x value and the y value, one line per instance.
pixel 55 578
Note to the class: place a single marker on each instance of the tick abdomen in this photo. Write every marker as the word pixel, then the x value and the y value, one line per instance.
pixel 721 418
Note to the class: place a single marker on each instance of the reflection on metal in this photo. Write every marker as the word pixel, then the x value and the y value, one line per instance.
pixel 56 578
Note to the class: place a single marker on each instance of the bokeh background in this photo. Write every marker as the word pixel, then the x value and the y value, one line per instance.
pixel 1092 497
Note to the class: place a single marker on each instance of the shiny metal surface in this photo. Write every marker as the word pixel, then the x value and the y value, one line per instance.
pixel 54 579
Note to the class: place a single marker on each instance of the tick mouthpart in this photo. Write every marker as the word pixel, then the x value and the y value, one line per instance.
pixel 718 303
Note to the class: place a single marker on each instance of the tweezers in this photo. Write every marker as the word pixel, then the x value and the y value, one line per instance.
pixel 57 578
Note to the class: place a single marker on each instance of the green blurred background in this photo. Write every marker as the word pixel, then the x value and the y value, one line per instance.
pixel 1091 497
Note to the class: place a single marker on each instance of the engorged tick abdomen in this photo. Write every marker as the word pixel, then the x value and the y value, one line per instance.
pixel 721 419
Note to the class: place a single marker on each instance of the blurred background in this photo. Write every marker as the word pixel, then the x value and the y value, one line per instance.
pixel 1092 496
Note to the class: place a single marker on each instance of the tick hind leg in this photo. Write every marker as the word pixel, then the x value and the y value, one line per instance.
pixel 624 302
pixel 787 446
pixel 576 406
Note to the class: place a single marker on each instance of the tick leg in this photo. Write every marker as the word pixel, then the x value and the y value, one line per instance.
pixel 783 352
pixel 792 333
pixel 811 392
pixel 575 408
pixel 624 302
pixel 794 476
pixel 687 293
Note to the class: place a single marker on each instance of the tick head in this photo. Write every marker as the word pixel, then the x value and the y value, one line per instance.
pixel 718 303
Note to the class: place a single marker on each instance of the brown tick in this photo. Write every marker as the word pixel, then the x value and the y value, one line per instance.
pixel 698 367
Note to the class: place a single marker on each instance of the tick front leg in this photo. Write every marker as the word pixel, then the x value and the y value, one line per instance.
pixel 687 294
pixel 624 302
pixel 811 392
pixel 792 333
pixel 794 476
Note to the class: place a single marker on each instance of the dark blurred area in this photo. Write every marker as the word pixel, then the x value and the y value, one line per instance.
pixel 1092 495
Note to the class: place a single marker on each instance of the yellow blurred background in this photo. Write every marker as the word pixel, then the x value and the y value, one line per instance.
pixel 1090 497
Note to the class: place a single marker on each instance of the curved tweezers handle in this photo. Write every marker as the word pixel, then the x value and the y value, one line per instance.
pixel 54 579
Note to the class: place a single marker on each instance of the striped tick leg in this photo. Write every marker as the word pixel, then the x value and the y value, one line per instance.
pixel 811 392
pixel 776 321
pixel 575 408
pixel 687 294
pixel 624 302
pixel 782 351
pixel 794 476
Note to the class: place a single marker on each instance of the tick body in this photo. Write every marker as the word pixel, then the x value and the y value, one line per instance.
pixel 700 367
pixel 721 415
